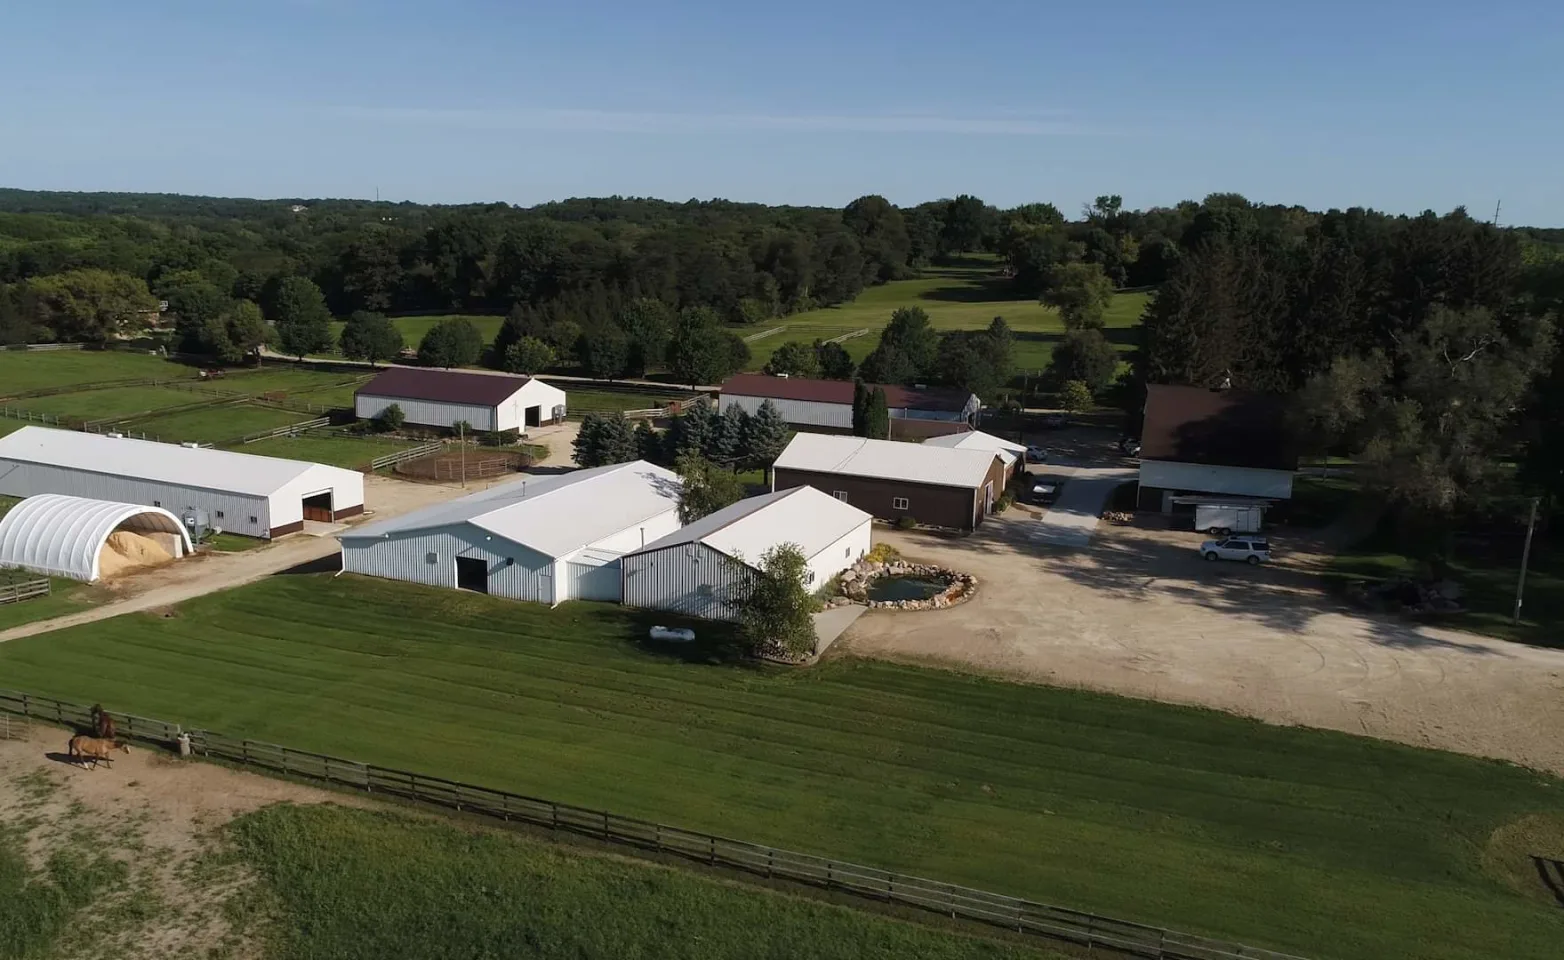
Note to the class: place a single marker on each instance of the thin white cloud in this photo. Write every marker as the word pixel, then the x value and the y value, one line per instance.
pixel 624 121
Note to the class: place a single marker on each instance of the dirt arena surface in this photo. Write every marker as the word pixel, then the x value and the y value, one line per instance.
pixel 158 815
pixel 1139 613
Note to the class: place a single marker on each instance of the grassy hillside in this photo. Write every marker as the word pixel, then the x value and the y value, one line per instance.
pixel 1321 843
pixel 355 884
pixel 966 297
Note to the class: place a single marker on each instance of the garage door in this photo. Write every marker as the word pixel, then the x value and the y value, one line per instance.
pixel 594 582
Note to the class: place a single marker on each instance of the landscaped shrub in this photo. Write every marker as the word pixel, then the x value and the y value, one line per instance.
pixel 905 523
pixel 500 438
pixel 883 553
pixel 391 418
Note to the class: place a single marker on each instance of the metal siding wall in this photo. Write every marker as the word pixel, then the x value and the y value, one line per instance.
pixel 427 413
pixel 1197 477
pixel 346 486
pixel 840 555
pixel 19 479
pixel 586 582
pixel 804 412
pixel 670 579
pixel 406 558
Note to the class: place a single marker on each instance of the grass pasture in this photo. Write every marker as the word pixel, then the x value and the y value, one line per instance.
pixel 24 370
pixel 214 424
pixel 1324 844
pixel 603 400
pixel 337 450
pixel 361 884
pixel 965 297
pixel 114 402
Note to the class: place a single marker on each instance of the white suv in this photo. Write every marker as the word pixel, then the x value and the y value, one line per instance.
pixel 1251 550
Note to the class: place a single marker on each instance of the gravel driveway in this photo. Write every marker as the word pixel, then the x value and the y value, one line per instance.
pixel 1139 613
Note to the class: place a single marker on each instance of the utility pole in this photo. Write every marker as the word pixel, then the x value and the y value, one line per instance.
pixel 461 440
pixel 1496 207
pixel 1520 583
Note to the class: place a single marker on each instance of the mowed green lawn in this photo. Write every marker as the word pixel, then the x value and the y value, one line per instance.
pixel 354 453
pixel 115 402
pixel 1328 845
pixel 965 297
pixel 364 884
pixel 24 370
pixel 215 424
pixel 599 400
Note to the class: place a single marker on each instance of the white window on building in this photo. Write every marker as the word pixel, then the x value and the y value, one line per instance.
pixel 898 503
pixel 219 514
pixel 840 495
pixel 255 519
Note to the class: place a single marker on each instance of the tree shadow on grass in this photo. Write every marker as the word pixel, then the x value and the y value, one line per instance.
pixel 987 290
pixel 715 644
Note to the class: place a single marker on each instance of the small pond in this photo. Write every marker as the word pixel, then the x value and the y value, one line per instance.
pixel 905 588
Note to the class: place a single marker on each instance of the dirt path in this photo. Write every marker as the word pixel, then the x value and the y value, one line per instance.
pixel 159 817
pixel 209 573
pixel 1139 613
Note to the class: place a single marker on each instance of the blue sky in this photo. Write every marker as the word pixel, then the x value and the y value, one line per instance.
pixel 1401 106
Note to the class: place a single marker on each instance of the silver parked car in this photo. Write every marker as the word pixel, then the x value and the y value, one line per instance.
pixel 1251 550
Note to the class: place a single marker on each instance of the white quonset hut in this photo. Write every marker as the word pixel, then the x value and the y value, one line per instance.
pixel 544 539
pixel 236 492
pixel 440 398
pixel 64 536
pixel 694 570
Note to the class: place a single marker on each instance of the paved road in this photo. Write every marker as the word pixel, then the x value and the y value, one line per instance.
pixel 1072 519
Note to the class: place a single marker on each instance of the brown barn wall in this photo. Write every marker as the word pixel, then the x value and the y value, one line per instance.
pixel 287 528
pixel 346 512
pixel 928 504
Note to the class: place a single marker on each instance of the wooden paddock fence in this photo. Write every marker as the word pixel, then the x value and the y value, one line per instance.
pixel 24 590
pixel 1027 917
pixel 402 456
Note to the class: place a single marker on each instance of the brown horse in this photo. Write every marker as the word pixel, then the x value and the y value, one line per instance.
pixel 102 723
pixel 91 749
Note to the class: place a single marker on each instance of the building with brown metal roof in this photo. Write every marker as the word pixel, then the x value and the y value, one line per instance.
pixel 1225 443
pixel 826 406
pixel 441 398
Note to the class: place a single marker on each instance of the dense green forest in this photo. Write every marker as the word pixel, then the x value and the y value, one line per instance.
pixel 1423 346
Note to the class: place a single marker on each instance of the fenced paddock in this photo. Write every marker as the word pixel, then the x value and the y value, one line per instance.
pixel 17 588
pixel 1025 917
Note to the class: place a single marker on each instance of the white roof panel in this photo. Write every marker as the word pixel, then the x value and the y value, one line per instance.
pixel 1008 450
pixel 554 515
pixel 886 460
pixel 747 529
pixel 202 467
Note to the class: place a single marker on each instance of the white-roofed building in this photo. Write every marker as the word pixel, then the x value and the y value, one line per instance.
pixel 65 536
pixel 1009 451
pixel 932 485
pixel 694 570
pixel 544 539
pixel 236 492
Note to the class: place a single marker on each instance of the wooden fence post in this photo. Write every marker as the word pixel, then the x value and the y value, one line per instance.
pixel 713 842
pixel 771 856
pixel 606 834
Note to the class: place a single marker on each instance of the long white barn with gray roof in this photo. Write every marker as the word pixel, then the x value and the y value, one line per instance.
pixel 237 492
pixel 543 539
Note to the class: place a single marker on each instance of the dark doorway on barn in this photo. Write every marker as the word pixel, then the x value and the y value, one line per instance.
pixel 472 573
pixel 318 508
pixel 534 416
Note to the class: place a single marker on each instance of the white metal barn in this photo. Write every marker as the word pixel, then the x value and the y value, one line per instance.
pixel 544 539
pixel 64 536
pixel 1009 452
pixel 440 398
pixel 693 570
pixel 237 492
pixel 827 405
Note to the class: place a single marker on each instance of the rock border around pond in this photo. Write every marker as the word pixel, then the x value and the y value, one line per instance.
pixel 959 588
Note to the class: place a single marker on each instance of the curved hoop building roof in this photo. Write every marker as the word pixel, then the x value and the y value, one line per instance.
pixel 62 536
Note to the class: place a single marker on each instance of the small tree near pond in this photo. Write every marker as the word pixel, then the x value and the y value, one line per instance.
pixel 775 605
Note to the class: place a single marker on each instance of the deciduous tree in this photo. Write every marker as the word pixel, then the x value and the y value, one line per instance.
pixel 528 355
pixel 92 305
pixel 1085 356
pixel 370 337
pixel 706 487
pixel 795 359
pixel 834 361
pixel 1080 292
pixel 454 342
pixel 775 603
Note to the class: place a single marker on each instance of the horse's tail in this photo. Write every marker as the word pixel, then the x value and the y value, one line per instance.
pixel 72 748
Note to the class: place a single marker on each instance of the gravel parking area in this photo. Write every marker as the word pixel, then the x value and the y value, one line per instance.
pixel 1138 612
